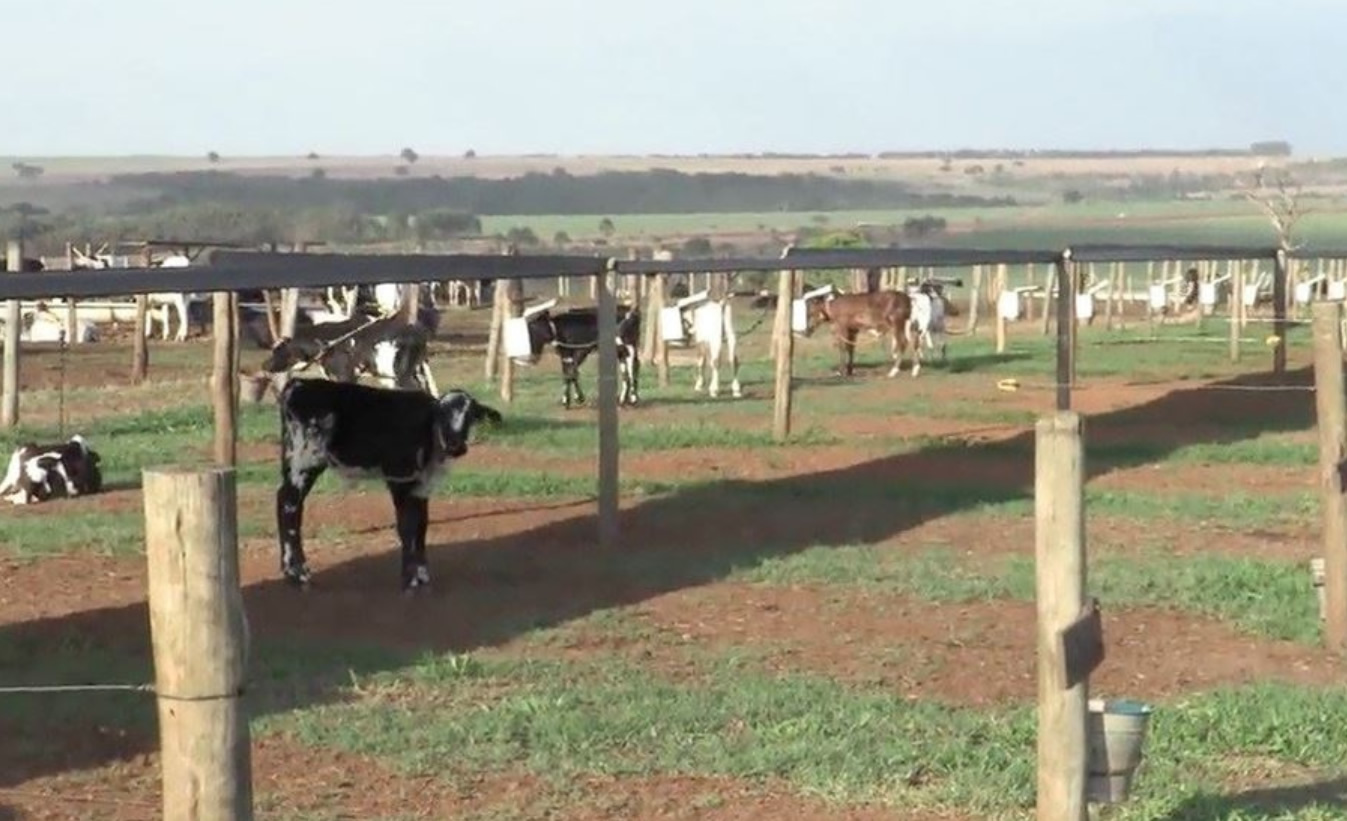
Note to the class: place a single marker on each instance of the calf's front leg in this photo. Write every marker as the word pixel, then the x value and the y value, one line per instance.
pixel 411 505
pixel 290 496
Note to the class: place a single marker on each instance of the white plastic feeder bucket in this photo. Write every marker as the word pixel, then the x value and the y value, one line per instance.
pixel 799 310
pixel 1008 305
pixel 671 324
pixel 1250 295
pixel 1084 306
pixel 1115 734
pixel 1206 294
pixel 1159 299
pixel 518 345
pixel 1337 289
pixel 1303 293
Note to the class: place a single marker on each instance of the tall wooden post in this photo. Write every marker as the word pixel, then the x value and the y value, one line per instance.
pixel 9 385
pixel 784 348
pixel 973 300
pixel 1060 570
pixel 1050 282
pixel 1279 290
pixel 1236 308
pixel 199 633
pixel 513 307
pixel 659 294
pixel 224 379
pixel 608 443
pixel 1330 403
pixel 1066 328
pixel 999 289
pixel 72 336
pixel 290 302
pixel 499 305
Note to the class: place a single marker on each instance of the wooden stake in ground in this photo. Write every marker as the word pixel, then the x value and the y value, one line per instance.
pixel 608 442
pixel 1066 326
pixel 224 380
pixel 1330 403
pixel 1281 266
pixel 9 392
pixel 500 299
pixel 973 300
pixel 1236 309
pixel 199 633
pixel 1000 288
pixel 1059 538
pixel 513 307
pixel 659 295
pixel 784 348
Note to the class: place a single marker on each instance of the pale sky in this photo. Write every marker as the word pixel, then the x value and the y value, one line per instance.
pixel 679 76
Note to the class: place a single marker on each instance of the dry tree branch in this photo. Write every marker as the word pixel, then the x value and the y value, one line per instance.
pixel 1284 206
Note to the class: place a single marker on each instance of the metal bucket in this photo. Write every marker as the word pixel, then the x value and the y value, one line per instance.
pixel 1116 733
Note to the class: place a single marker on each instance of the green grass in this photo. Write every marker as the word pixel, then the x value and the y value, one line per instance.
pixel 826 739
pixel 1267 598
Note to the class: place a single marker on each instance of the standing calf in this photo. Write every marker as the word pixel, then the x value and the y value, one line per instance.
pixel 881 312
pixel 575 335
pixel 404 437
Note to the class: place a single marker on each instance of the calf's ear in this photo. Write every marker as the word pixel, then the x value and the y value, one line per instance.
pixel 486 413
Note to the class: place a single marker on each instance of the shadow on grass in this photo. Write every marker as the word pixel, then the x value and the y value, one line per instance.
pixel 1268 802
pixel 492 589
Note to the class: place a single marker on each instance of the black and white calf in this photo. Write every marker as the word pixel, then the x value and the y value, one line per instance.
pixel 37 473
pixel 574 334
pixel 388 349
pixel 405 438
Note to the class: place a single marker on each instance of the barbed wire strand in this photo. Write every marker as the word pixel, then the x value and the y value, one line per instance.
pixel 28 689
pixel 65 797
pixel 1011 385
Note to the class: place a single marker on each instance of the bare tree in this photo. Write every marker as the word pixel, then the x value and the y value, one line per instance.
pixel 1281 201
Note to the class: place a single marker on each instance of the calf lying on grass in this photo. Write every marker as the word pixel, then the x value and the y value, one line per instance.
pixel 404 437
pixel 37 473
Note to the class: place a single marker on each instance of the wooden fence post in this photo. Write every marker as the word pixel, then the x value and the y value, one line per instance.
pixel 660 292
pixel 1279 299
pixel 1066 331
pixel 199 633
pixel 1236 308
pixel 513 307
pixel 224 378
pixel 1331 416
pixel 1059 543
pixel 784 347
pixel 9 403
pixel 608 431
pixel 499 299
pixel 998 289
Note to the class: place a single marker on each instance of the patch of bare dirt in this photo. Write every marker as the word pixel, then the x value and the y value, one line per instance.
pixel 973 653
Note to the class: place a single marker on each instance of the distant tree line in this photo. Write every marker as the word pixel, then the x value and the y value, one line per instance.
pixel 656 191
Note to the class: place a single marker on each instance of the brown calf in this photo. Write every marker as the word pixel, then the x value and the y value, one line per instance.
pixel 881 312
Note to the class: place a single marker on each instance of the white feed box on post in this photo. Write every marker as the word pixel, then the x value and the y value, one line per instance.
pixel 1303 293
pixel 1206 294
pixel 1337 290
pixel 1008 305
pixel 518 344
pixel 1250 295
pixel 1159 298
pixel 1085 306
pixel 799 308
pixel 671 324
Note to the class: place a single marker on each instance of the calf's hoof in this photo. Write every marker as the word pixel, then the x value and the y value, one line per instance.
pixel 298 577
pixel 415 579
